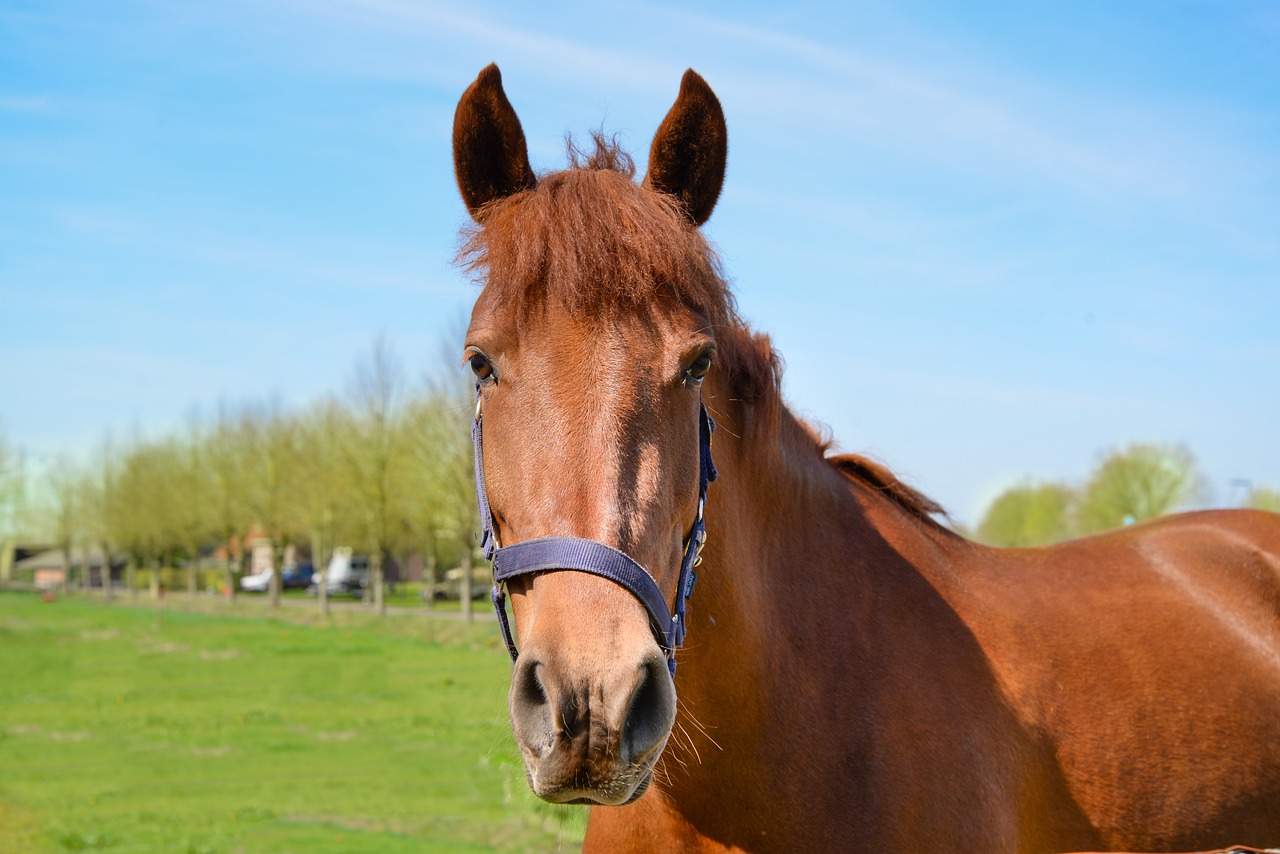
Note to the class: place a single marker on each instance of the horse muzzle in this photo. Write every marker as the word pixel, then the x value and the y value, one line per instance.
pixel 592 740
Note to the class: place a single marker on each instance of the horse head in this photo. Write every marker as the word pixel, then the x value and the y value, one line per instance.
pixel 591 342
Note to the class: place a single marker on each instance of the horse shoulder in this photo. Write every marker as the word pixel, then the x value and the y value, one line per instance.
pixel 1148 662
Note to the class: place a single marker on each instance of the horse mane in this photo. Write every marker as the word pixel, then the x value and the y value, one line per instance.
pixel 592 239
pixel 879 479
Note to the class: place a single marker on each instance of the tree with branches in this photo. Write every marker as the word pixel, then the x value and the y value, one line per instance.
pixel 226 459
pixel 444 513
pixel 12 489
pixel 375 453
pixel 1139 482
pixel 324 503
pixel 1029 515
pixel 1264 499
pixel 272 448
pixel 62 515
pixel 98 499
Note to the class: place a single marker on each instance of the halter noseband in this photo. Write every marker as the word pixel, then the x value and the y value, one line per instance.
pixel 553 554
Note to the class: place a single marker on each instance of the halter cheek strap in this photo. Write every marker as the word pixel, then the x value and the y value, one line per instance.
pixel 555 554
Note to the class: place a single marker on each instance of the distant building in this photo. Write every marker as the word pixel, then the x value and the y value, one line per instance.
pixel 44 567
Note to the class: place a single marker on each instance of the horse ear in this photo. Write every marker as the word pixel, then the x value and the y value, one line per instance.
pixel 490 157
pixel 689 151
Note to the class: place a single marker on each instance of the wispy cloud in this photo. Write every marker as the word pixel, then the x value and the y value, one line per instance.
pixel 26 103
pixel 963 111
pixel 440 30
pixel 340 264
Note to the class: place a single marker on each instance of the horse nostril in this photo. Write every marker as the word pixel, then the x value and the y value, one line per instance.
pixel 529 688
pixel 530 706
pixel 652 710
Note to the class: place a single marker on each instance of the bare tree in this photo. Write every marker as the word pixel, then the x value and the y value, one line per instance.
pixel 272 440
pixel 144 504
pixel 100 511
pixel 322 502
pixel 226 457
pixel 12 489
pixel 374 451
pixel 445 512
pixel 62 514
pixel 189 487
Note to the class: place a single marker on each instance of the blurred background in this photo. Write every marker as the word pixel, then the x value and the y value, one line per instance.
pixel 992 244
pixel 1027 255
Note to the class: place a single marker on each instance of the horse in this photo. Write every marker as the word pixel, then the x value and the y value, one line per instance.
pixel 856 676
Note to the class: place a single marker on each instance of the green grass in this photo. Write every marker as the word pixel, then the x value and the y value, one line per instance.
pixel 202 730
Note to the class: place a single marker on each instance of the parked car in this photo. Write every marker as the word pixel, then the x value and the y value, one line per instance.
pixel 259 582
pixel 297 576
pixel 347 575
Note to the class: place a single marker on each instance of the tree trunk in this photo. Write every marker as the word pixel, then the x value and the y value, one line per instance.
pixel 429 577
pixel 106 571
pixel 319 575
pixel 131 577
pixel 375 578
pixel 65 549
pixel 322 591
pixel 155 579
pixel 274 586
pixel 277 572
pixel 230 576
pixel 156 563
pixel 242 559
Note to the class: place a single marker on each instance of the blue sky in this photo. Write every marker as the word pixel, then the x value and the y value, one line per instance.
pixel 991 240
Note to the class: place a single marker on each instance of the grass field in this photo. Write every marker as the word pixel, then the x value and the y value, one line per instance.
pixel 127 730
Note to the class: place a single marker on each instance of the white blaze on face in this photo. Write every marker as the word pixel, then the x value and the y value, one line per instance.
pixel 646 488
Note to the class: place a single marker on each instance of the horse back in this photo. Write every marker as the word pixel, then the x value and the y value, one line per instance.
pixel 1146 662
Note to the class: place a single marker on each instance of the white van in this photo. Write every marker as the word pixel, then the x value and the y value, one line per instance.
pixel 347 574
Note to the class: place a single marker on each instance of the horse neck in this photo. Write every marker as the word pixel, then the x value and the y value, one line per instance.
pixel 819 602
pixel 787 528
pixel 801 567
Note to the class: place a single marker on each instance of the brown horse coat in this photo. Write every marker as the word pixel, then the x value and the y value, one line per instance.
pixel 856 677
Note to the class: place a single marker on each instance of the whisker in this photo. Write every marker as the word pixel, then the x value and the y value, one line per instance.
pixel 692 746
pixel 687 714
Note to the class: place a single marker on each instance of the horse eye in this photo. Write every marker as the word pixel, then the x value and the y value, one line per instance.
pixel 698 370
pixel 481 367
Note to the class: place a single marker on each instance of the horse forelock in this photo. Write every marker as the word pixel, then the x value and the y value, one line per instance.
pixel 606 155
pixel 592 240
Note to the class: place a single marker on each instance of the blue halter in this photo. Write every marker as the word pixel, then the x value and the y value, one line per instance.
pixel 554 554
